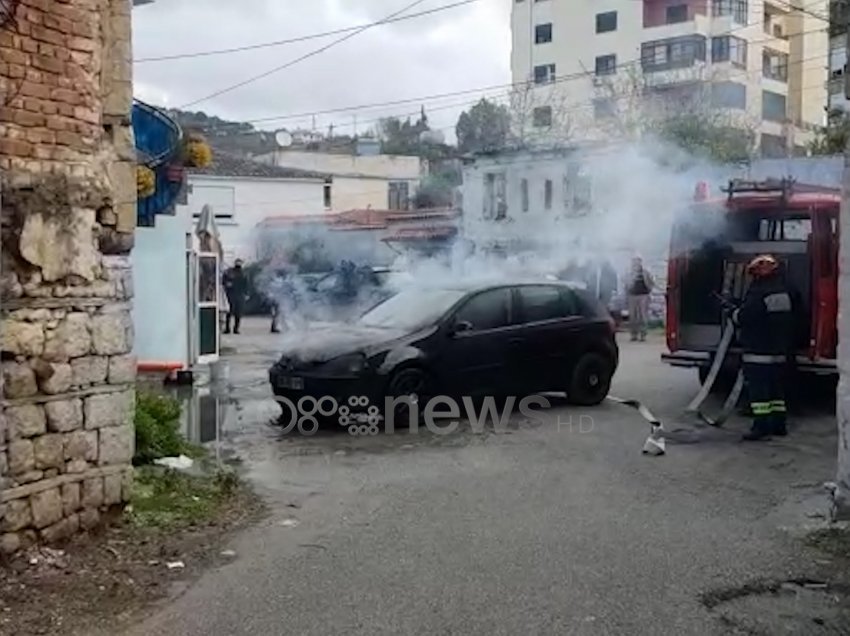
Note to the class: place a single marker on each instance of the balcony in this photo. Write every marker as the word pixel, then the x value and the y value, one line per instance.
pixel 674 59
pixel 158 139
pixel 699 25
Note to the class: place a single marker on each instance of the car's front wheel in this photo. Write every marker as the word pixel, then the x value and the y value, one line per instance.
pixel 411 386
pixel 591 380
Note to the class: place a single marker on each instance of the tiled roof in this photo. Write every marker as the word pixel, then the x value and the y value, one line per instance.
pixel 422 233
pixel 225 164
pixel 366 218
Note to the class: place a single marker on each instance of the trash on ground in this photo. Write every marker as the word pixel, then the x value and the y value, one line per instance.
pixel 228 553
pixel 175 565
pixel 177 463
pixel 288 523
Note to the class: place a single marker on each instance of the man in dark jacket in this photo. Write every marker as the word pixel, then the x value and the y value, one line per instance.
pixel 236 288
pixel 766 322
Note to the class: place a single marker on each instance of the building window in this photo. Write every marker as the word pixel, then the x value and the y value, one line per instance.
pixel 728 48
pixel 604 108
pixel 543 33
pixel 542 117
pixel 547 194
pixel 523 189
pixel 675 97
pixel 399 195
pixel 736 8
pixel 677 13
pixel 327 194
pixel 729 95
pixel 222 199
pixel 495 199
pixel 544 74
pixel 681 52
pixel 606 64
pixel 774 65
pixel 773 146
pixel 606 22
pixel 773 106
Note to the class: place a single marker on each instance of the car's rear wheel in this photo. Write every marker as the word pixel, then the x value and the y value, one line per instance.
pixel 413 383
pixel 591 380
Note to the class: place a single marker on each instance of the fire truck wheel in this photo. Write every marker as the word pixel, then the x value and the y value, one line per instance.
pixel 591 380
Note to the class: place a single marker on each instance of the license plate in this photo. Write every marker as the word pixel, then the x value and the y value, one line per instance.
pixel 290 382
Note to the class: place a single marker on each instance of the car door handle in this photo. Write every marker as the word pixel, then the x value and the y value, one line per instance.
pixel 517 341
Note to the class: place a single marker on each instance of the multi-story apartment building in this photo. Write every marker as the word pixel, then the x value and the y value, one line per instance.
pixel 838 102
pixel 762 63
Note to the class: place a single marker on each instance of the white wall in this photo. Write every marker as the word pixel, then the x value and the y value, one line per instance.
pixel 537 221
pixel 161 297
pixel 358 181
pixel 240 203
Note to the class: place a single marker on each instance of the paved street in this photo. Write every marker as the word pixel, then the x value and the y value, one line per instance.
pixel 553 528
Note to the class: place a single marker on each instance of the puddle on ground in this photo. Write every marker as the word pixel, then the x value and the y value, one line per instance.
pixel 797 606
pixel 234 416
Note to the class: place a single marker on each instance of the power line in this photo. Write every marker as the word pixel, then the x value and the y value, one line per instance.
pixel 303 38
pixel 306 56
pixel 478 90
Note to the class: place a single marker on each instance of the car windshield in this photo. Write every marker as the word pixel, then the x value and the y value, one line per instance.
pixel 411 309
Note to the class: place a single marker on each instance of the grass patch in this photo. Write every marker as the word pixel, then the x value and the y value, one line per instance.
pixel 168 499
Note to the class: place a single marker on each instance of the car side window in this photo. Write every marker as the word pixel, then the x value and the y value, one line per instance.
pixel 487 310
pixel 572 305
pixel 540 302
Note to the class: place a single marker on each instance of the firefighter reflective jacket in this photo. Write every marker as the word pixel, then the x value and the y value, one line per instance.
pixel 766 318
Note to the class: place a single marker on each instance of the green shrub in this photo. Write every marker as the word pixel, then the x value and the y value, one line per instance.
pixel 157 435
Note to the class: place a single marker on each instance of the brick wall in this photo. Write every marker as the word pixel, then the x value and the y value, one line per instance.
pixel 67 163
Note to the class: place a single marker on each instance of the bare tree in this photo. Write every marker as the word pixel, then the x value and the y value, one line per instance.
pixel 692 109
pixel 540 115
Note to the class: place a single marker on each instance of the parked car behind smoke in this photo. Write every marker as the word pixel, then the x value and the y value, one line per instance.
pixel 477 340
pixel 335 296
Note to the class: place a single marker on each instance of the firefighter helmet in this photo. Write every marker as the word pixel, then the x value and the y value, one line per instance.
pixel 763 266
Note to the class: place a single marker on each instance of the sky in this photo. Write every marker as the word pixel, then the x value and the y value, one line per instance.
pixel 457 49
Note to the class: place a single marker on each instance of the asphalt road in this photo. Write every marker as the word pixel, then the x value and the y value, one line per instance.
pixel 555 527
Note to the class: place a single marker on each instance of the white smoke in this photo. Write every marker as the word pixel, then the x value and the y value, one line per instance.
pixel 636 192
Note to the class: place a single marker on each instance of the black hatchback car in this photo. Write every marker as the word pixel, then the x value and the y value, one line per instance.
pixel 466 341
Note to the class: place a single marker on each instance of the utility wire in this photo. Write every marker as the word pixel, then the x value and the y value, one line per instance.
pixel 306 56
pixel 303 38
pixel 478 90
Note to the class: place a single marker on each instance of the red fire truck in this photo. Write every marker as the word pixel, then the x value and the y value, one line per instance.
pixel 713 241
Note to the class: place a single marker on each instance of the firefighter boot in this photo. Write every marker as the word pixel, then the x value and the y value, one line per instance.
pixel 757 433
pixel 778 423
pixel 762 422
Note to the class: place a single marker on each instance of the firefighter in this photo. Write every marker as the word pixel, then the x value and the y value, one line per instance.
pixel 765 321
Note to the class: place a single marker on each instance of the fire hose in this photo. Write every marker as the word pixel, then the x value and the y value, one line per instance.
pixel 707 427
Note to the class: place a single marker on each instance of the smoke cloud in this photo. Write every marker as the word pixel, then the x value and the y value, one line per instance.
pixel 636 191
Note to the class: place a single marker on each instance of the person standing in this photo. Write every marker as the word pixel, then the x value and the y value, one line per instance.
pixel 236 288
pixel 765 321
pixel 639 287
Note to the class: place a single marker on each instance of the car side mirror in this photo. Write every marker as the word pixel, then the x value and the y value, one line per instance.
pixel 460 326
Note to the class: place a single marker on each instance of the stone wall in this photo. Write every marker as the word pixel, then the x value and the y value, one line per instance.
pixel 67 164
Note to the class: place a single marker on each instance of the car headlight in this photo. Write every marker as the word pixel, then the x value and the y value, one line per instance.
pixel 351 364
